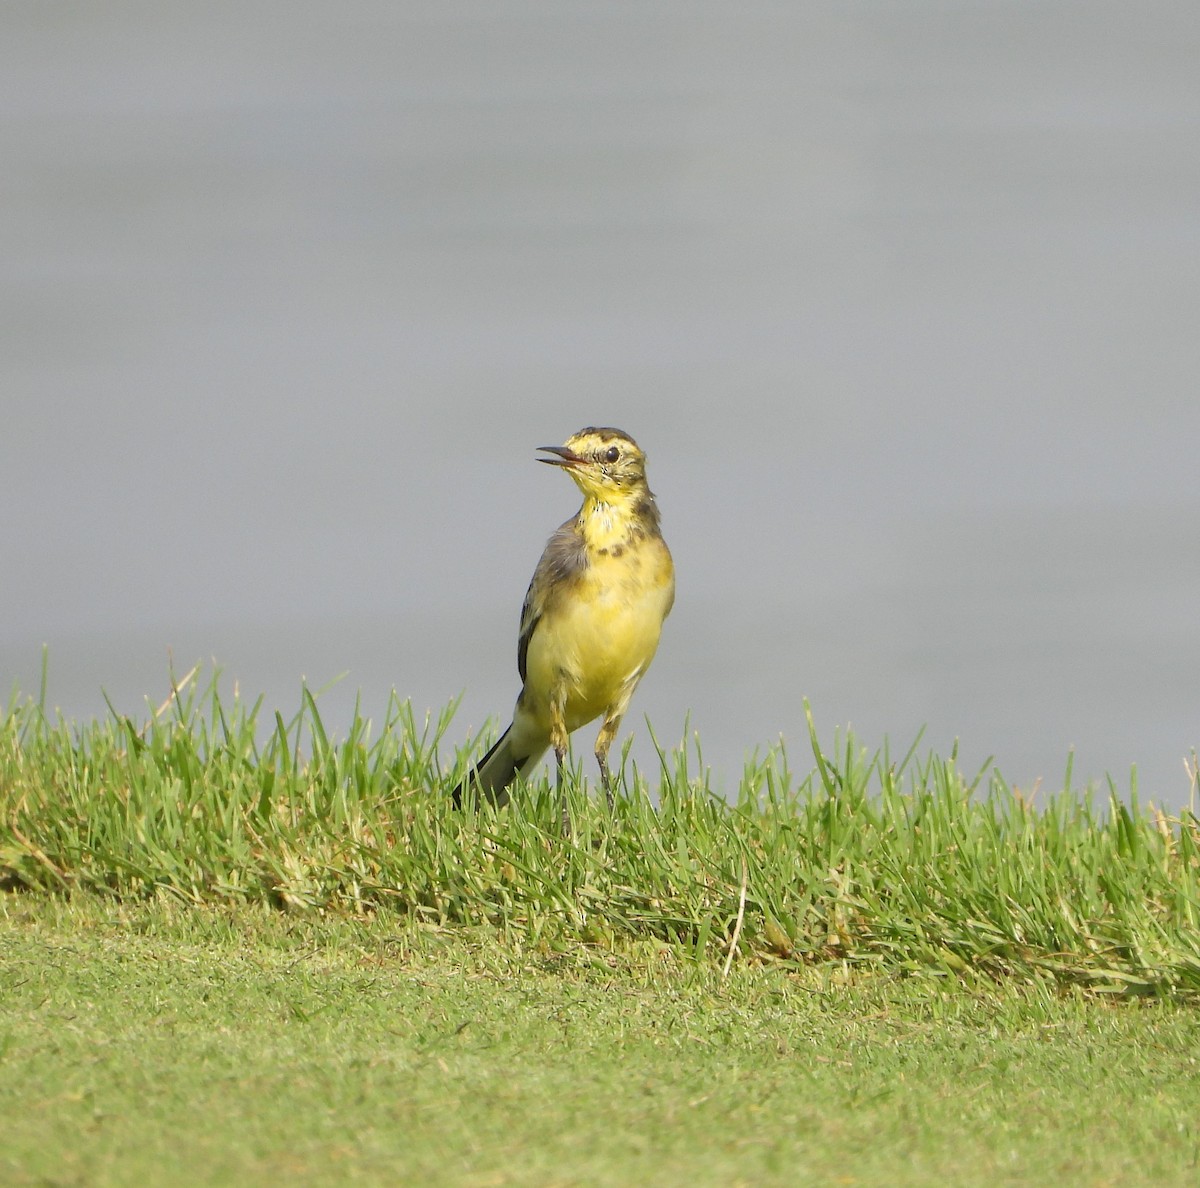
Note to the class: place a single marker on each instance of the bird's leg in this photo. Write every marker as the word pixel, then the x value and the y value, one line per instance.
pixel 560 759
pixel 605 780
pixel 612 723
pixel 605 740
pixel 558 740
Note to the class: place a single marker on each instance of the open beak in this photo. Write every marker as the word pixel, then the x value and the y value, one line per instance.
pixel 563 457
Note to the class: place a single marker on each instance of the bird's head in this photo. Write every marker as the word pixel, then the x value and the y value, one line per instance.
pixel 606 464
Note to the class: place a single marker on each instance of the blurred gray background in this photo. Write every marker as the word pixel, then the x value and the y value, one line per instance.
pixel 902 300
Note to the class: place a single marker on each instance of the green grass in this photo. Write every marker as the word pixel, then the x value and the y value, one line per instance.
pixel 902 864
pixel 240 951
pixel 156 1043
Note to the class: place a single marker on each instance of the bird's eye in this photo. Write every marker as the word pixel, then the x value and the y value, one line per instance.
pixel 613 454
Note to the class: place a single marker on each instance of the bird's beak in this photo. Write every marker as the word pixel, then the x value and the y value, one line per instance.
pixel 563 457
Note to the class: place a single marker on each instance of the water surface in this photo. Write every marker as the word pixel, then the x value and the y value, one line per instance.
pixel 900 299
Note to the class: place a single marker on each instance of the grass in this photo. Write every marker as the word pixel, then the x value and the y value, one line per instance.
pixel 150 1042
pixel 236 950
pixel 868 861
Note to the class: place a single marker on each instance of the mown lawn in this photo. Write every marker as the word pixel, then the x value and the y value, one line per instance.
pixel 163 1044
pixel 247 951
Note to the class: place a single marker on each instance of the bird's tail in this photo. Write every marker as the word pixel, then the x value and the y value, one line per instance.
pixel 493 774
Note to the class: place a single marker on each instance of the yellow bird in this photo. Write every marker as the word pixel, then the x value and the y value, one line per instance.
pixel 592 615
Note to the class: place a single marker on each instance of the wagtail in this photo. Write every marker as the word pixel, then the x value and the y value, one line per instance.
pixel 592 616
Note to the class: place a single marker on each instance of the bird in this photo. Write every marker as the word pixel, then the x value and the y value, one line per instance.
pixel 592 616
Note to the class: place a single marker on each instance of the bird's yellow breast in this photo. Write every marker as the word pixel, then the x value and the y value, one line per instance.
pixel 603 631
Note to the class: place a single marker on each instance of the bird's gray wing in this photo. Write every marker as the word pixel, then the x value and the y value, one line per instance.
pixel 564 556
